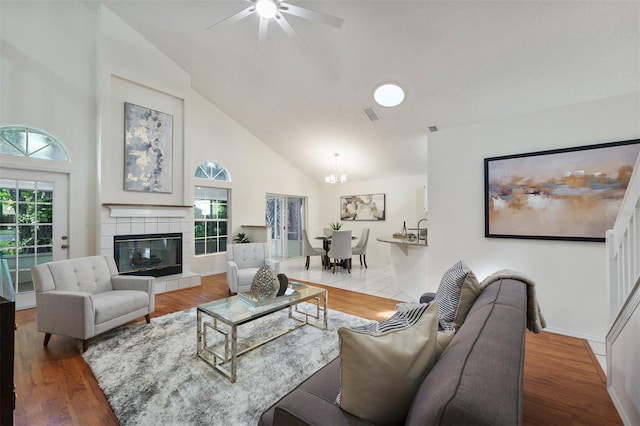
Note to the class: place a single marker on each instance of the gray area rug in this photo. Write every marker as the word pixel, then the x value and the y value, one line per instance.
pixel 151 375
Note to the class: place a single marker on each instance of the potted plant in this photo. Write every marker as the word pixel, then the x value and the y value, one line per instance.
pixel 335 226
pixel 240 238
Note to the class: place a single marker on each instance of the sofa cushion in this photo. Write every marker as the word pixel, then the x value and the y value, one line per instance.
pixel 458 291
pixel 64 276
pixel 382 367
pixel 442 341
pixel 443 338
pixel 249 255
pixel 114 304
pixel 245 276
pixel 478 379
pixel 88 274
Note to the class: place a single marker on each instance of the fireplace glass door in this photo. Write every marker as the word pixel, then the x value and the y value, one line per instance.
pixel 148 254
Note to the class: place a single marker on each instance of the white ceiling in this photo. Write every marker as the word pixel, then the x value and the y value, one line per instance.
pixel 460 62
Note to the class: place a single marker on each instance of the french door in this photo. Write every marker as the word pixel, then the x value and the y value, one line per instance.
pixel 286 217
pixel 33 225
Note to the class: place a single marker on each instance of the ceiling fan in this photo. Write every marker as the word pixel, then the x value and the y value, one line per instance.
pixel 275 10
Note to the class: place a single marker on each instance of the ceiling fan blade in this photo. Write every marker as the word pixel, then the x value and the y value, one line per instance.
pixel 235 17
pixel 312 15
pixel 262 31
pixel 286 26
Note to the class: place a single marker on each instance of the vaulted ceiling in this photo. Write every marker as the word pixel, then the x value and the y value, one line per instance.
pixel 460 62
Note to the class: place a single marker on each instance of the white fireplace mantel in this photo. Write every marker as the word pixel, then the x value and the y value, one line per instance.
pixel 151 219
pixel 147 210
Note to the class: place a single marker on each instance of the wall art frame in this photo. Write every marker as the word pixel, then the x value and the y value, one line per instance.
pixel 571 194
pixel 366 207
pixel 148 152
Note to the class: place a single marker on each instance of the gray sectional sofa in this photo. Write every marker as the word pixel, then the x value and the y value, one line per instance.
pixel 476 381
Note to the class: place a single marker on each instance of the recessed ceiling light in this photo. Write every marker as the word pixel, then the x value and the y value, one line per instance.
pixel 388 95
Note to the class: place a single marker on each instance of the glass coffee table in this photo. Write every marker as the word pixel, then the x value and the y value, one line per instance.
pixel 233 312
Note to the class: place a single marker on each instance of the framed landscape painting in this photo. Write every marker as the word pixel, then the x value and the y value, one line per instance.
pixel 148 139
pixel 362 207
pixel 565 194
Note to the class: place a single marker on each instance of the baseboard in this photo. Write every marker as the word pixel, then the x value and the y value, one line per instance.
pixel 590 337
pixel 619 406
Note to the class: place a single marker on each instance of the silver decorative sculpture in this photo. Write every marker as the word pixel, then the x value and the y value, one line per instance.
pixel 265 284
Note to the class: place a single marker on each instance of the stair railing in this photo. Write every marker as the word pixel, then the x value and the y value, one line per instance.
pixel 623 276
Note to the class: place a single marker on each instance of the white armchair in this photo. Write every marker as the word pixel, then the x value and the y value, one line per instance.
pixel 84 297
pixel 243 261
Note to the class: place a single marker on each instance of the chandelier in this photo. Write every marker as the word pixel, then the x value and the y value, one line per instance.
pixel 335 178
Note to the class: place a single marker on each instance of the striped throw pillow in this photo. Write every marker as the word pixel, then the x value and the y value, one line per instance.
pixel 458 291
pixel 407 314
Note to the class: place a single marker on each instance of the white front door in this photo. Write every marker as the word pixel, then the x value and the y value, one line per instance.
pixel 34 221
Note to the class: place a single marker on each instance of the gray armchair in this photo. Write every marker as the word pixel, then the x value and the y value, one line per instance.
pixel 84 297
pixel 243 261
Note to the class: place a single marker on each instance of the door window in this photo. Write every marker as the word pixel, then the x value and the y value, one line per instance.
pixel 24 141
pixel 26 227
pixel 285 216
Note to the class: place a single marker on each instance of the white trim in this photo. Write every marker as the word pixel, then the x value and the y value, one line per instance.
pixel 148 211
pixel 589 337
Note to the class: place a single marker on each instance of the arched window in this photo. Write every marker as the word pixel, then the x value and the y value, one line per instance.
pixel 211 210
pixel 30 142
pixel 212 170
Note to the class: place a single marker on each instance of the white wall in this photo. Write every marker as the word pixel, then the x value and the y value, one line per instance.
pixel 403 203
pixel 569 276
pixel 255 171
pixel 47 81
pixel 132 70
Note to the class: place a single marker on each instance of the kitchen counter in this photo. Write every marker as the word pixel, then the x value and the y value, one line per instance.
pixel 408 264
pixel 404 243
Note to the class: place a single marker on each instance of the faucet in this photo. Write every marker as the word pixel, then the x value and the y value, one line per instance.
pixel 418 232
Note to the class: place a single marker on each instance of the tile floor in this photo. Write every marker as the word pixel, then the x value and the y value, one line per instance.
pixel 375 280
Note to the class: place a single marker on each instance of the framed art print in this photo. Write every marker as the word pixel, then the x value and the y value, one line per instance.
pixel 362 207
pixel 148 138
pixel 565 194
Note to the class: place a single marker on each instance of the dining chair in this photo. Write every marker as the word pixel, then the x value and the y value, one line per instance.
pixel 341 249
pixel 360 249
pixel 309 250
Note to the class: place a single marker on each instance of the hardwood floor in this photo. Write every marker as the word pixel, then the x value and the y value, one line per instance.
pixel 562 381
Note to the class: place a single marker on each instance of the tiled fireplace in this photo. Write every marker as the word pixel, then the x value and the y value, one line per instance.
pixel 161 227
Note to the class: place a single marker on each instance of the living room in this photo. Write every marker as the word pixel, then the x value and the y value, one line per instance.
pixel 72 76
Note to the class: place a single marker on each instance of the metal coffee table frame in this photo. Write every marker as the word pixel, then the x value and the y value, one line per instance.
pixel 233 312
